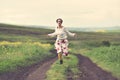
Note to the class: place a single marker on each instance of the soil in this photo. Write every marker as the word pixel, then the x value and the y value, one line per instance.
pixel 40 73
pixel 90 71
pixel 34 72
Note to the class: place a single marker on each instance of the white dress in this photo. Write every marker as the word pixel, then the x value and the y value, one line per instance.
pixel 61 44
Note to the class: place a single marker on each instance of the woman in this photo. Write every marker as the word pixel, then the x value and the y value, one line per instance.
pixel 61 44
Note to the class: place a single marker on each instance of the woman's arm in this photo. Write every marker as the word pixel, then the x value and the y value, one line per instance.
pixel 69 33
pixel 52 34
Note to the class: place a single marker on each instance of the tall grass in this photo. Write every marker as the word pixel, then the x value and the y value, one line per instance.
pixel 106 57
pixel 104 52
pixel 16 54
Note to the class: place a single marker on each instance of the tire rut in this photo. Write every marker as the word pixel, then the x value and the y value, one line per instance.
pixel 40 73
pixel 90 71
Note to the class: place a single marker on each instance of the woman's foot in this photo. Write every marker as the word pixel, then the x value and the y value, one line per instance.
pixel 66 54
pixel 61 61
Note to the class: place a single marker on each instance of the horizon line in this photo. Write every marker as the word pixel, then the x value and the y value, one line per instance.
pixel 35 25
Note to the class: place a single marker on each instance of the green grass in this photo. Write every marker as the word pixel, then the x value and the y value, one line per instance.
pixel 25 54
pixel 59 72
pixel 90 43
pixel 106 57
pixel 114 31
pixel 92 46
pixel 21 33
pixel 16 54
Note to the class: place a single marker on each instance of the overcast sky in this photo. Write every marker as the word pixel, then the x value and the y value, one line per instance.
pixel 75 13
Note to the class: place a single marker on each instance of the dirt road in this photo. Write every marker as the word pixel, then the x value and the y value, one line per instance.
pixel 90 71
pixel 40 73
pixel 34 72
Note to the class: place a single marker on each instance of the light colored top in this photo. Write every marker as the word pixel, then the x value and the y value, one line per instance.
pixel 61 33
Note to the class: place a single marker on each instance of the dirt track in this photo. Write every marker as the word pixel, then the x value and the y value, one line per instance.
pixel 34 72
pixel 90 71
pixel 40 73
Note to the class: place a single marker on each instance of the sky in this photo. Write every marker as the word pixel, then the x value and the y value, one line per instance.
pixel 75 13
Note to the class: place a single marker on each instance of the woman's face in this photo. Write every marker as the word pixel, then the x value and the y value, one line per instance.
pixel 59 22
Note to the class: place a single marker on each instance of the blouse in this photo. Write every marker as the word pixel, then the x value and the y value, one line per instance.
pixel 61 33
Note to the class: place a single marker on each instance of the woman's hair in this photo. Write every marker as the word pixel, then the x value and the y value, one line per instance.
pixel 59 19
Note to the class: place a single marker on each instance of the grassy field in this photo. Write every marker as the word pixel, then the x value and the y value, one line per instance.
pixel 59 72
pixel 20 54
pixel 21 45
pixel 102 48
pixel 106 57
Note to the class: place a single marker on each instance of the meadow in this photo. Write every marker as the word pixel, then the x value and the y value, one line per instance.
pixel 106 57
pixel 102 48
pixel 69 68
pixel 23 46
pixel 20 48
pixel 21 54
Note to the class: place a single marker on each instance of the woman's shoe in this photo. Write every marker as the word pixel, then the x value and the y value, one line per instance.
pixel 66 54
pixel 61 61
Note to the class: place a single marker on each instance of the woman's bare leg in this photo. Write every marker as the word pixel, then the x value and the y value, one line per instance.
pixel 60 58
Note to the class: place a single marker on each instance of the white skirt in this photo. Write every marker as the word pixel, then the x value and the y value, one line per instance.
pixel 62 46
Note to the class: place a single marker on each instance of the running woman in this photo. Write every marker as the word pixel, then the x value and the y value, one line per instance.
pixel 61 43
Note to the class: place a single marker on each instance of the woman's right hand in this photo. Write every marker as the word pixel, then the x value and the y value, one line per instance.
pixel 75 35
pixel 49 35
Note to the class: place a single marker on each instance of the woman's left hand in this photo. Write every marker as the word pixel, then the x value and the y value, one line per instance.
pixel 75 35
